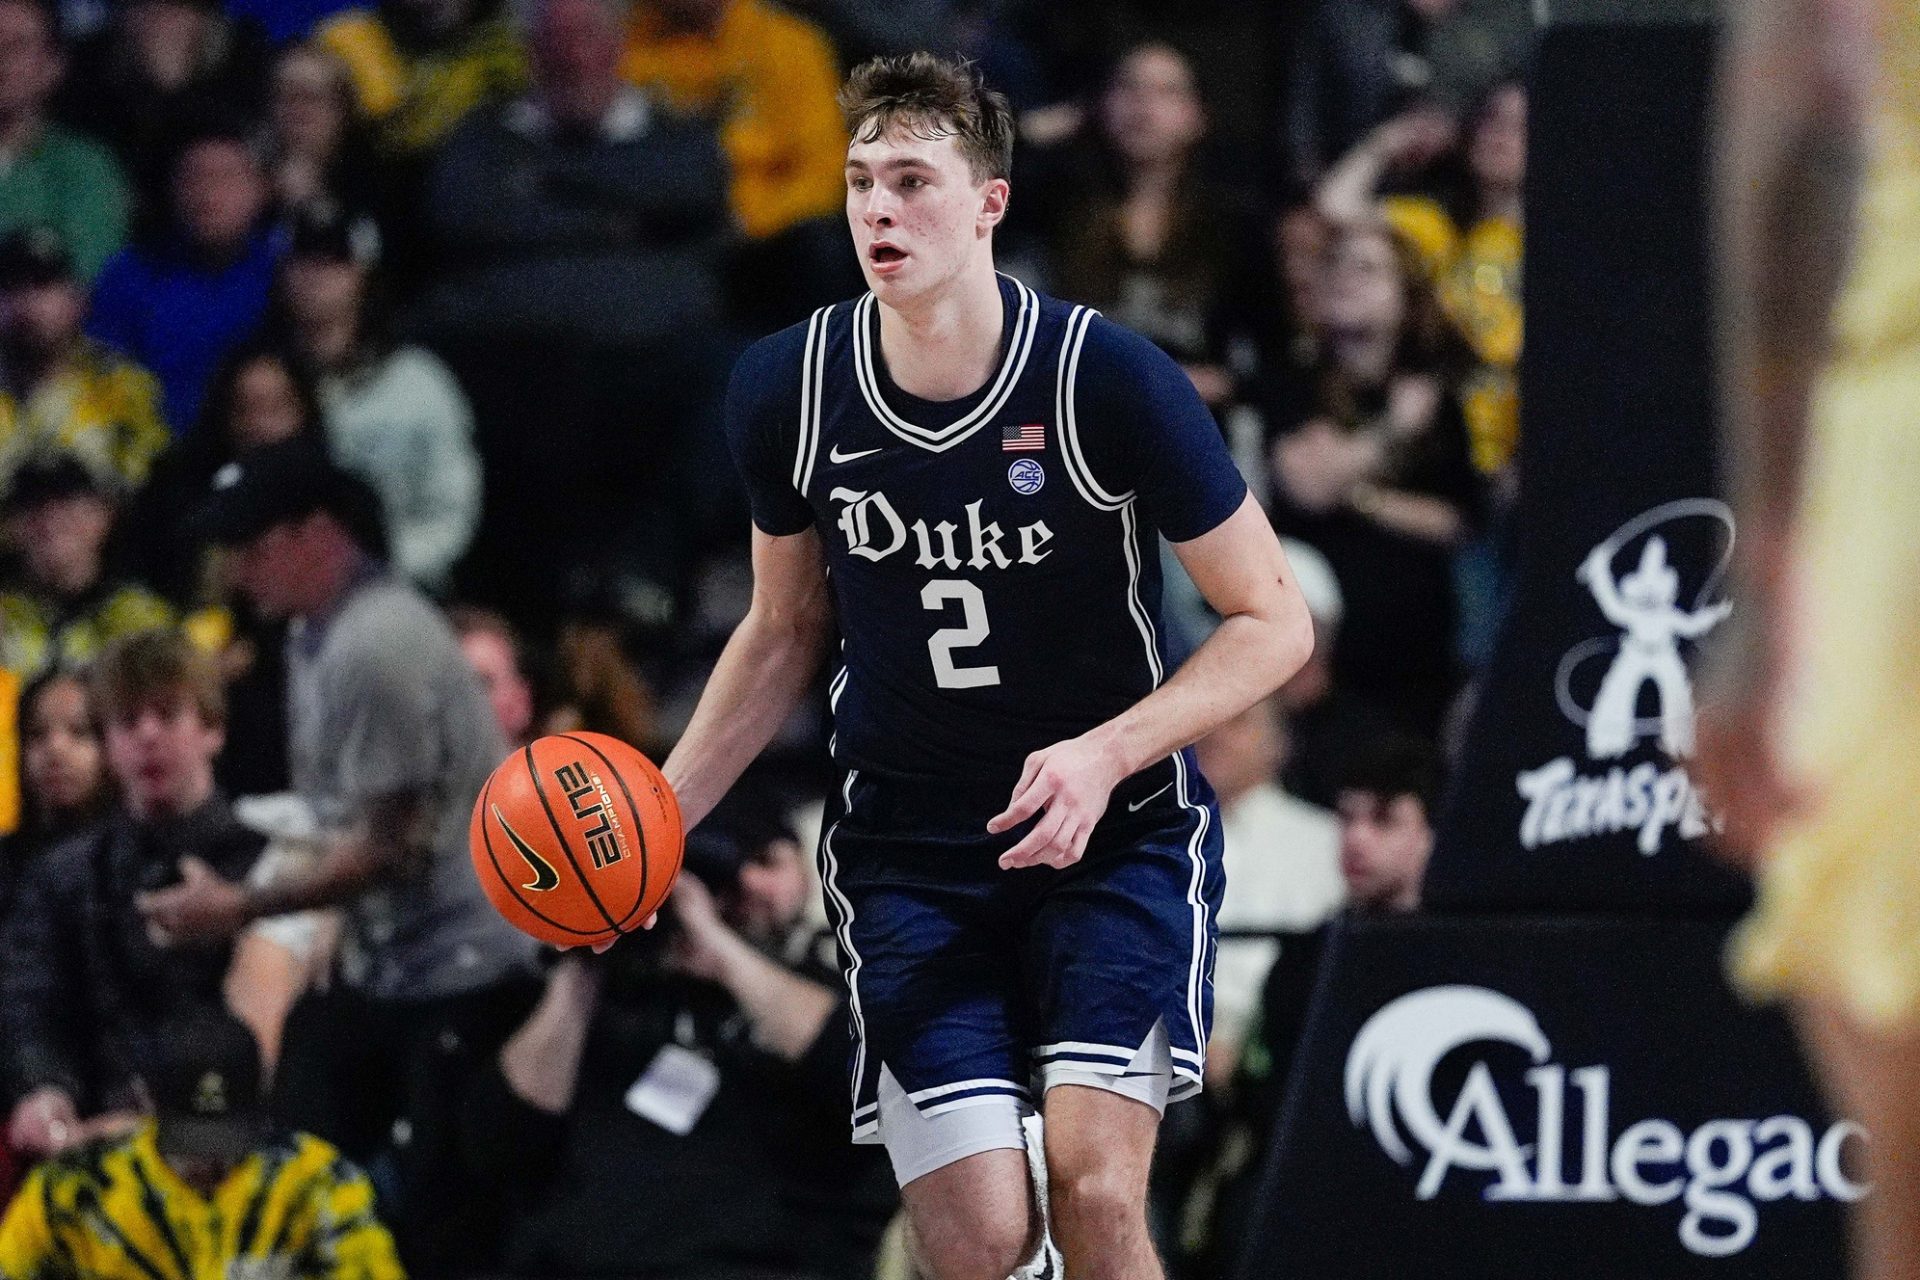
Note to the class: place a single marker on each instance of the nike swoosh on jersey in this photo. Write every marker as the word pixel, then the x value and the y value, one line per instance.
pixel 544 876
pixel 834 454
pixel 1138 805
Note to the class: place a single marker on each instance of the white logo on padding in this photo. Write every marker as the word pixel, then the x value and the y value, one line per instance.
pixel 1390 1067
pixel 1644 603
pixel 1720 1171
pixel 1655 607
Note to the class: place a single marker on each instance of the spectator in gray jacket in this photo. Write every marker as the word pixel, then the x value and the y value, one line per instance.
pixel 394 414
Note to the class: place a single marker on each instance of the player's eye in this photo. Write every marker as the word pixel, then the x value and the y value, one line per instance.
pixel 910 182
pixel 859 184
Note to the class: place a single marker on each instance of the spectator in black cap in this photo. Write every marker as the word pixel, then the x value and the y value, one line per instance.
pixel 152 71
pixel 394 414
pixel 58 388
pixel 183 296
pixel 208 1178
pixel 63 607
pixel 750 1172
pixel 52 176
pixel 261 396
pixel 391 737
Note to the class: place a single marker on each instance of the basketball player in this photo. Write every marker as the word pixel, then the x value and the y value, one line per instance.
pixel 1021 862
pixel 1811 743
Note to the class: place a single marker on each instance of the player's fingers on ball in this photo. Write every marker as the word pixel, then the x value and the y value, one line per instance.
pixel 601 948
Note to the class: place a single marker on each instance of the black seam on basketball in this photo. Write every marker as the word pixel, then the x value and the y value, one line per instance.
pixel 640 826
pixel 565 848
pixel 486 838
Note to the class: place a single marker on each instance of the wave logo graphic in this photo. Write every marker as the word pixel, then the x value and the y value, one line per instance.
pixel 1390 1066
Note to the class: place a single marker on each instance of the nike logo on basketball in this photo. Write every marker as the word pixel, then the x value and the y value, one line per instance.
pixel 544 876
pixel 1135 807
pixel 834 454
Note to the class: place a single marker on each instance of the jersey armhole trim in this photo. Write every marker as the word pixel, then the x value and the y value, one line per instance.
pixel 1066 385
pixel 812 366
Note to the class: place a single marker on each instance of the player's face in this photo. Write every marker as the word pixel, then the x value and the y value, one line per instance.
pixel 918 215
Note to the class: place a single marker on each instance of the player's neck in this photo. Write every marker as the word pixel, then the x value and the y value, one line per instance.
pixel 946 348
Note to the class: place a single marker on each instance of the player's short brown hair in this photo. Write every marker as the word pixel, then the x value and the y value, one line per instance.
pixel 157 667
pixel 931 97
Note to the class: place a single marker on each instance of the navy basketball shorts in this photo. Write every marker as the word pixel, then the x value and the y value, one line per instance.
pixel 974 990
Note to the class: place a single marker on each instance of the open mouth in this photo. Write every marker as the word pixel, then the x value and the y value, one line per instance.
pixel 882 255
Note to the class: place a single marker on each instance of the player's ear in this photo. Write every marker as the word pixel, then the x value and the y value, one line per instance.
pixel 993 202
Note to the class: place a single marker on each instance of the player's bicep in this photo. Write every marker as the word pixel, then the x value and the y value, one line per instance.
pixel 1149 430
pixel 790 578
pixel 1240 568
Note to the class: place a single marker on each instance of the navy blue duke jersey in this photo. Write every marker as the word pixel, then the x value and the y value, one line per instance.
pixel 994 560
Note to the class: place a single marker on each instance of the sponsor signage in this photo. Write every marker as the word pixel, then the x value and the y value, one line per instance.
pixel 1576 1098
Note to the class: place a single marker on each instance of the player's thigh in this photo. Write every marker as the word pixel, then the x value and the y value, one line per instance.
pixel 1119 953
pixel 939 1068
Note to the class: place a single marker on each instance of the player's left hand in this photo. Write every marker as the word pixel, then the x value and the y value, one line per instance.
pixel 203 907
pixel 1071 781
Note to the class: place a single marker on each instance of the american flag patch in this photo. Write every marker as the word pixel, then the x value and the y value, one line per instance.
pixel 1027 439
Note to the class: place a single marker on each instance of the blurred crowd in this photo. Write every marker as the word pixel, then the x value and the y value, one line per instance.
pixel 360 379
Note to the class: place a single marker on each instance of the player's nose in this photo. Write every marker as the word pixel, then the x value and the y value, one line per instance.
pixel 879 209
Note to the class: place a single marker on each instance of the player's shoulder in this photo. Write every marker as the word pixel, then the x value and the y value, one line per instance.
pixel 782 354
pixel 1114 361
pixel 772 366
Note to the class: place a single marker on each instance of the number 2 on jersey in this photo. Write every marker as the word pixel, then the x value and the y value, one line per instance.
pixel 940 646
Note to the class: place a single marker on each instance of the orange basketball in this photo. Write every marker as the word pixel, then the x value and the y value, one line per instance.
pixel 576 838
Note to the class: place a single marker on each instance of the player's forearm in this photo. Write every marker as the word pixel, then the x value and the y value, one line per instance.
pixel 1247 657
pixel 761 676
pixel 1790 164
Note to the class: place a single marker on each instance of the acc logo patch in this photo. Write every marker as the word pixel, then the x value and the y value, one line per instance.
pixel 1026 476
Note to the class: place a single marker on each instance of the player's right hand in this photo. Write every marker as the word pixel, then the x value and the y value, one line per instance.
pixel 601 948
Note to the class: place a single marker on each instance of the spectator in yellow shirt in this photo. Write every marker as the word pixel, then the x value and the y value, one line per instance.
pixel 60 390
pixel 769 79
pixel 65 608
pixel 205 1189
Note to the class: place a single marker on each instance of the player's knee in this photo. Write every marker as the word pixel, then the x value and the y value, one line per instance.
pixel 989 1249
pixel 1093 1203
